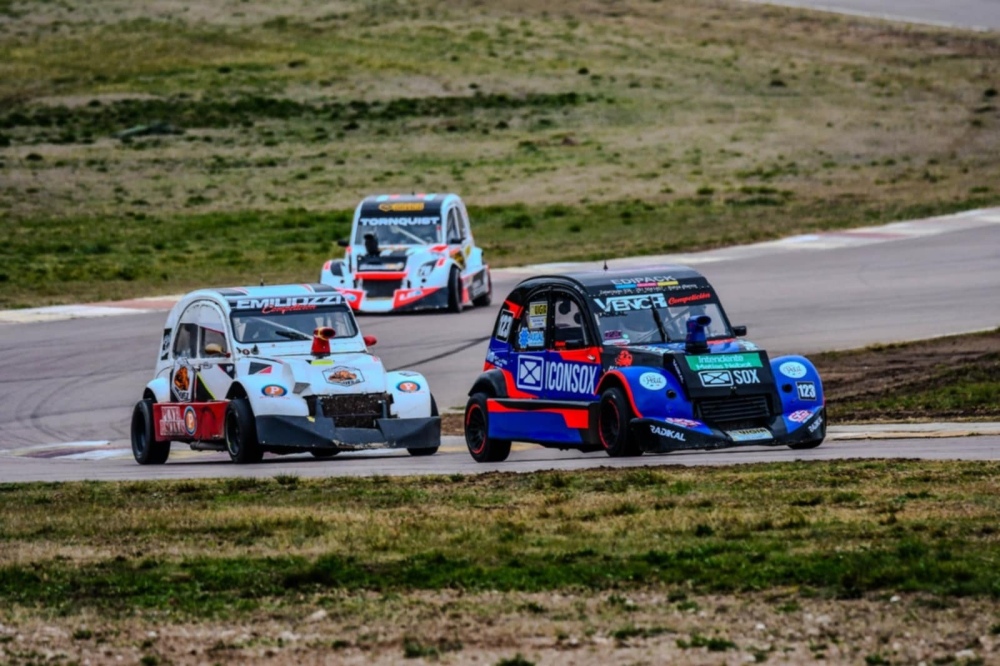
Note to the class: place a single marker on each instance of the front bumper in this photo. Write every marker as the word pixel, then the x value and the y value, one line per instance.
pixel 402 300
pixel 664 436
pixel 321 433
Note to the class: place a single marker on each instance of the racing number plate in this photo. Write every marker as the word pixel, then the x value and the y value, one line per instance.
pixel 749 434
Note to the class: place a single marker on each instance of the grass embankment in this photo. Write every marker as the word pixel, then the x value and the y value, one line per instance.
pixel 947 378
pixel 576 132
pixel 230 547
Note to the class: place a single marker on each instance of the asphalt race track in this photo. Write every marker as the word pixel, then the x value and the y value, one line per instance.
pixel 67 386
pixel 974 14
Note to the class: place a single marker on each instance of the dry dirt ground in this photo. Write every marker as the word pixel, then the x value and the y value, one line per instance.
pixel 519 629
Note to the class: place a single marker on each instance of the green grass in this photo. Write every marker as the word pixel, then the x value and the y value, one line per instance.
pixel 230 547
pixel 571 131
pixel 72 259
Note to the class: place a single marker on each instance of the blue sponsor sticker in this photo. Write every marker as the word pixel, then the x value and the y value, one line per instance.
pixel 528 338
pixel 190 420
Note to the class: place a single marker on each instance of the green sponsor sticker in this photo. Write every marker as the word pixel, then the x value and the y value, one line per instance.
pixel 723 361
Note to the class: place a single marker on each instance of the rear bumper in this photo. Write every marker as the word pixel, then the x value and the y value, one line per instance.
pixel 321 433
pixel 658 436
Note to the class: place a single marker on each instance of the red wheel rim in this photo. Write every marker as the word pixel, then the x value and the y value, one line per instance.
pixel 475 429
pixel 609 424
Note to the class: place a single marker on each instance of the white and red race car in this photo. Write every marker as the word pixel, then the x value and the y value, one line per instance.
pixel 410 252
pixel 278 369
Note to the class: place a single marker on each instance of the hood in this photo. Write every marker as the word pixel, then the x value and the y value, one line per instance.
pixel 397 257
pixel 335 374
pixel 728 367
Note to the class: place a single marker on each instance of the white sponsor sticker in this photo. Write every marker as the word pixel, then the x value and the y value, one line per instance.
pixel 749 434
pixel 652 381
pixel 800 416
pixel 814 426
pixel 684 423
pixel 530 372
pixel 664 432
pixel 570 377
pixel 712 378
pixel 744 377
pixel 792 369
pixel 503 326
pixel 535 374
pixel 626 303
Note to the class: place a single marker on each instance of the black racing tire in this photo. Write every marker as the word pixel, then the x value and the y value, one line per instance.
pixel 431 450
pixel 483 448
pixel 802 446
pixel 145 448
pixel 322 454
pixel 454 291
pixel 487 298
pixel 613 416
pixel 241 433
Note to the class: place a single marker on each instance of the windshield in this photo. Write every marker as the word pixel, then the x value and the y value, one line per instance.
pixel 400 230
pixel 255 326
pixel 656 317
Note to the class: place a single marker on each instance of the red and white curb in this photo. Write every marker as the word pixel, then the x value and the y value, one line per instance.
pixel 88 311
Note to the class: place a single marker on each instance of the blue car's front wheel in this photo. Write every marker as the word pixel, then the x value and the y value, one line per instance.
pixel 613 418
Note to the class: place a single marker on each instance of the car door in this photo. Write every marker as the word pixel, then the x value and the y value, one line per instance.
pixel 215 365
pixel 527 340
pixel 202 362
pixel 572 356
pixel 457 238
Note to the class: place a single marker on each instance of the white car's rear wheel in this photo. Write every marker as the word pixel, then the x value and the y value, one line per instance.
pixel 145 448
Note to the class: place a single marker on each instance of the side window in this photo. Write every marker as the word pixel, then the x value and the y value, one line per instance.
pixel 213 343
pixel 569 330
pixel 464 221
pixel 213 333
pixel 529 331
pixel 185 340
pixel 455 231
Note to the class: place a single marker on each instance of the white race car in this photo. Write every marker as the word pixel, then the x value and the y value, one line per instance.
pixel 410 252
pixel 279 369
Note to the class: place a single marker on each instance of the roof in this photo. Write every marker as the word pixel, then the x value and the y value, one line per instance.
pixel 383 205
pixel 273 290
pixel 589 280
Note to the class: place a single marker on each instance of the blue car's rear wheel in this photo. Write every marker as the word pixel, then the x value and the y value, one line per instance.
pixel 482 447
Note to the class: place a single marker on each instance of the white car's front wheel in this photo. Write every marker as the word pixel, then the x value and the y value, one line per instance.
pixel 241 433
pixel 454 291
pixel 430 451
pixel 487 298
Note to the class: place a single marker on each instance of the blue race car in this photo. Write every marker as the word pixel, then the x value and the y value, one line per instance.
pixel 633 363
